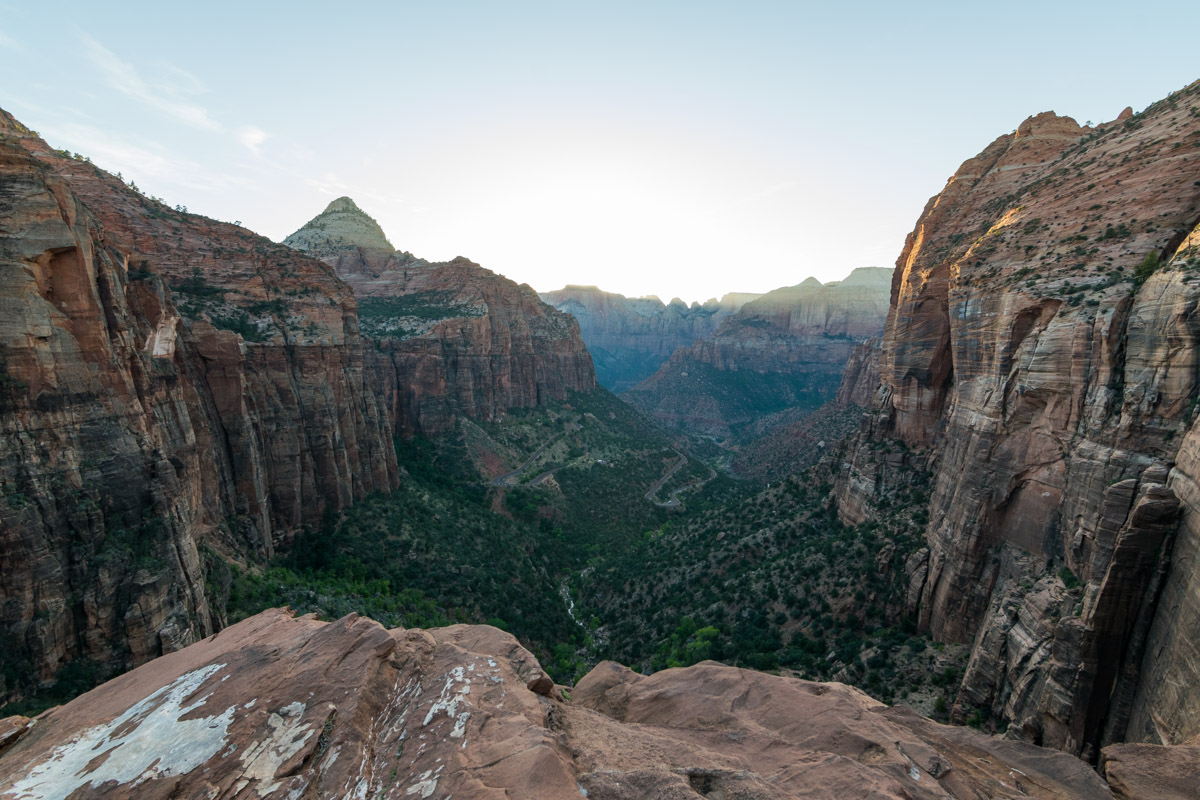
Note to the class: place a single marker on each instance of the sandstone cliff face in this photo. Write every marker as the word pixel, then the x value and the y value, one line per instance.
pixel 283 707
pixel 787 348
pixel 630 337
pixel 450 338
pixel 1051 376
pixel 860 378
pixel 167 384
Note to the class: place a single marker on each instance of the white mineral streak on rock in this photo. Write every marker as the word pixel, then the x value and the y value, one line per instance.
pixel 449 699
pixel 425 786
pixel 161 341
pixel 154 742
pixel 264 758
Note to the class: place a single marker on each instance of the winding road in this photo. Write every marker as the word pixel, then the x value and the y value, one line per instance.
pixel 510 478
pixel 673 497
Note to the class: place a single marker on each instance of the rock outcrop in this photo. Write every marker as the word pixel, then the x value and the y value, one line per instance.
pixel 630 337
pixel 282 707
pixel 1042 352
pixel 785 349
pixel 170 387
pixel 450 337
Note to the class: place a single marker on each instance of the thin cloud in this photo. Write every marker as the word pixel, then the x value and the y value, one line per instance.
pixel 149 162
pixel 10 43
pixel 252 138
pixel 124 78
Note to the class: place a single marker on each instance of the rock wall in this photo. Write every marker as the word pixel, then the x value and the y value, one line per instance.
pixel 169 385
pixel 1041 346
pixel 451 337
pixel 630 337
pixel 860 377
pixel 785 349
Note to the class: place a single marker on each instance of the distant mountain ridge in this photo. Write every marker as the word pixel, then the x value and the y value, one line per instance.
pixel 785 349
pixel 630 337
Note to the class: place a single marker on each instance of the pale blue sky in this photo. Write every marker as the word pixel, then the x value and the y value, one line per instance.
pixel 670 148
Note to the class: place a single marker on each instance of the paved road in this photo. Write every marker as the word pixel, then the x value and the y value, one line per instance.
pixel 659 483
pixel 510 478
pixel 696 484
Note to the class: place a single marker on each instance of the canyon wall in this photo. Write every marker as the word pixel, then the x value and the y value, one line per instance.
pixel 630 337
pixel 1041 357
pixel 449 337
pixel 172 389
pixel 785 349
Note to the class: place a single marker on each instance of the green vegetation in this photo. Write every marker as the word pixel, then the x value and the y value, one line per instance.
pixel 1146 268
pixel 197 286
pixel 396 317
pixel 447 547
pixel 771 581
pixel 1068 578
pixel 240 323
pixel 569 556
pixel 75 678
pixel 735 399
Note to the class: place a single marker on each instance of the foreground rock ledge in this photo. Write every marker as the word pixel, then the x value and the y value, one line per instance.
pixel 286 707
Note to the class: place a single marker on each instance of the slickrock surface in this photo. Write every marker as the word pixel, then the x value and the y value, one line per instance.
pixel 452 337
pixel 786 348
pixel 1041 356
pixel 167 383
pixel 282 707
pixel 1149 772
pixel 630 337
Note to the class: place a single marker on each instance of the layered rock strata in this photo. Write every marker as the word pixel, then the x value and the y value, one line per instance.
pixel 450 337
pixel 630 337
pixel 170 386
pixel 282 707
pixel 1041 349
pixel 787 348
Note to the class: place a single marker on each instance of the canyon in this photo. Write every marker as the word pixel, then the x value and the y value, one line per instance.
pixel 630 337
pixel 786 349
pixel 184 403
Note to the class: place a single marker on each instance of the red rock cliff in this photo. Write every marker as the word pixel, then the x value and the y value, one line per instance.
pixel 1042 350
pixel 450 338
pixel 168 384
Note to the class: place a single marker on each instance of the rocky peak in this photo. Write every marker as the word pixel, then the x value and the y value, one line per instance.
pixel 1049 125
pixel 873 277
pixel 11 126
pixel 343 203
pixel 345 237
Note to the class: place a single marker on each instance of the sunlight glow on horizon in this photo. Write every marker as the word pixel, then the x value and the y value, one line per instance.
pixel 672 149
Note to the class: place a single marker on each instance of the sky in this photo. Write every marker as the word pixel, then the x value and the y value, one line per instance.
pixel 679 149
